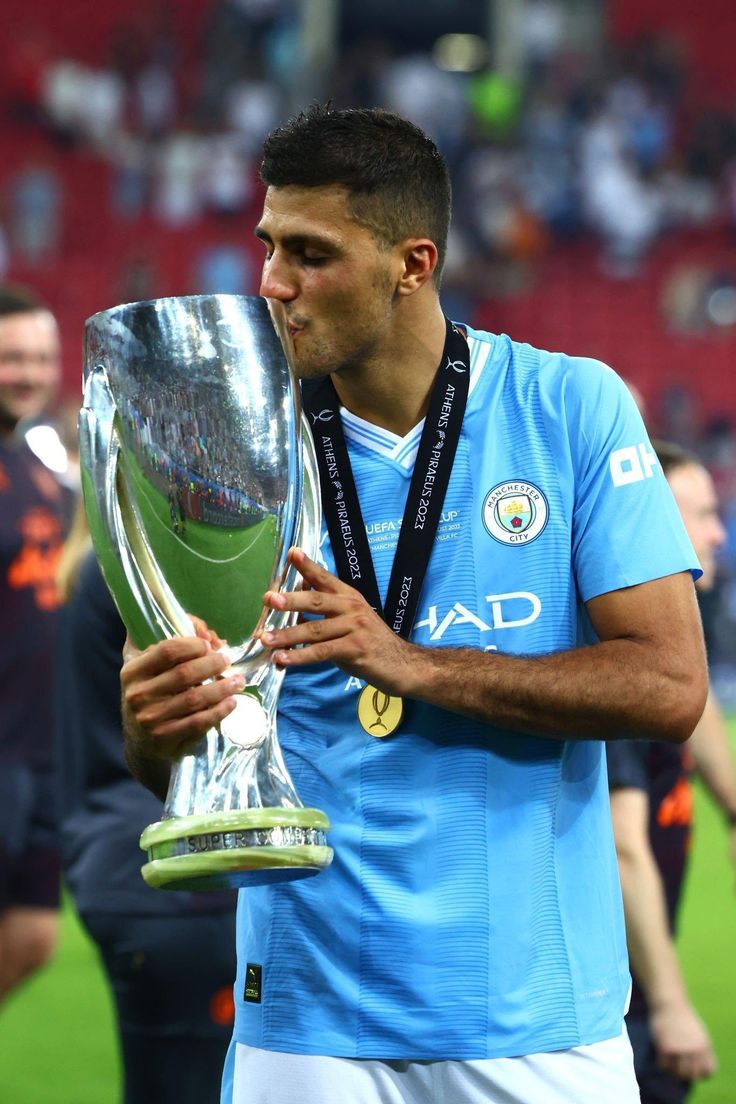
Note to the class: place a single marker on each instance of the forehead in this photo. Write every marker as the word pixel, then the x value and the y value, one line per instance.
pixel 692 486
pixel 310 213
pixel 29 328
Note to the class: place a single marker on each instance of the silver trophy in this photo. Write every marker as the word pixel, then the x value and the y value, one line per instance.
pixel 198 474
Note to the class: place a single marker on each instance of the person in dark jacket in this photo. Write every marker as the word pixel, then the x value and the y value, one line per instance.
pixel 651 806
pixel 168 956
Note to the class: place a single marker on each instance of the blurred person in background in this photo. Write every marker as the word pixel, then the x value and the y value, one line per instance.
pixel 35 213
pixel 33 511
pixel 651 805
pixel 169 957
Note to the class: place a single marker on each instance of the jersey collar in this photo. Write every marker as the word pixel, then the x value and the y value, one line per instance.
pixel 403 450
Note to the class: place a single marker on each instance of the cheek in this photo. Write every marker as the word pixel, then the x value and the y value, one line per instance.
pixel 10 375
pixel 48 377
pixel 38 374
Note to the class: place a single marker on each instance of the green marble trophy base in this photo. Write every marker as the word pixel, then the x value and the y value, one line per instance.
pixel 233 849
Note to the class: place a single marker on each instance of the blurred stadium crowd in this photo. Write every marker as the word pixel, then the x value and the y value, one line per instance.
pixel 595 211
pixel 595 186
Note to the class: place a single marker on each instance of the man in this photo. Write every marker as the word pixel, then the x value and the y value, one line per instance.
pixel 651 807
pixel 173 1001
pixel 467 943
pixel 32 510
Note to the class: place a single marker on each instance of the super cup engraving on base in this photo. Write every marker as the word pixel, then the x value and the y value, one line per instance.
pixel 198 475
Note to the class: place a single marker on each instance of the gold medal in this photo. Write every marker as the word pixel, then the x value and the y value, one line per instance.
pixel 379 713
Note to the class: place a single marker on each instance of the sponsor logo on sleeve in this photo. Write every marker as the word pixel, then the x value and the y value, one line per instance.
pixel 515 512
pixel 632 464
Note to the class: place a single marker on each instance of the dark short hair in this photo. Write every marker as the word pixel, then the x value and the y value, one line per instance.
pixel 19 300
pixel 396 178
pixel 672 456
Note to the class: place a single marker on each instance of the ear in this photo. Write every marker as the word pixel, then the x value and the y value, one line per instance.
pixel 419 260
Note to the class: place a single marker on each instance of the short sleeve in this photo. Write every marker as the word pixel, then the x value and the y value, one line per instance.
pixel 627 764
pixel 626 526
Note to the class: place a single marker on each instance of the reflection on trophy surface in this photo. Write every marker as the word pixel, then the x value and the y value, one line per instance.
pixel 197 478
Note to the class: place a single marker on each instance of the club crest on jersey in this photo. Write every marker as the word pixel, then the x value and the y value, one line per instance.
pixel 515 512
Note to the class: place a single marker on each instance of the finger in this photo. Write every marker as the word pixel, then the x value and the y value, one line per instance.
pixel 176 737
pixel 309 601
pixel 683 1066
pixel 139 693
pixel 206 633
pixel 704 1065
pixel 674 1064
pixel 314 575
pixel 163 656
pixel 308 632
pixel 130 649
pixel 325 651
pixel 201 627
pixel 688 1066
pixel 191 703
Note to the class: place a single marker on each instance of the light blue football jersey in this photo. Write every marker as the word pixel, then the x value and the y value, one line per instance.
pixel 472 909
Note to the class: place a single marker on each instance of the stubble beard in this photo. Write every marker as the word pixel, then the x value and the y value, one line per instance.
pixel 327 357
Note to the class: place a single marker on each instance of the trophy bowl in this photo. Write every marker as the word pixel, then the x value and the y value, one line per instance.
pixel 198 474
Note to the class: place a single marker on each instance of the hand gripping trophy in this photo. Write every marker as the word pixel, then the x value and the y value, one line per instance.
pixel 198 474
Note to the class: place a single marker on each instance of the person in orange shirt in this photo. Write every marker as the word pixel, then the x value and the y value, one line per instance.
pixel 651 806
pixel 33 511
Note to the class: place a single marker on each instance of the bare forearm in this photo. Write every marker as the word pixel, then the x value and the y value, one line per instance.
pixel 651 949
pixel 604 691
pixel 713 758
pixel 679 1036
pixel 646 676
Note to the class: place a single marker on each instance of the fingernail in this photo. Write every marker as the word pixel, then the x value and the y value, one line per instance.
pixel 237 682
pixel 267 637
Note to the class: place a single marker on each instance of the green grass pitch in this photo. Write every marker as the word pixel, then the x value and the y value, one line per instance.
pixel 231 601
pixel 57 1040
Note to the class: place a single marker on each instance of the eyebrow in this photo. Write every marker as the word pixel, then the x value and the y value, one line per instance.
pixel 297 241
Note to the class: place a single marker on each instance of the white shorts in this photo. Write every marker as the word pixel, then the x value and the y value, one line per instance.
pixel 601 1073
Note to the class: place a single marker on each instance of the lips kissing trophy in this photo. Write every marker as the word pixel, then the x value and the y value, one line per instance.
pixel 198 474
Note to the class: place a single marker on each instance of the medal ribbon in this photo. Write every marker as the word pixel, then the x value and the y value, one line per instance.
pixel 427 489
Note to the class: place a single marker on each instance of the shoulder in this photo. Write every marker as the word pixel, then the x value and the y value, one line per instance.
pixel 582 404
pixel 580 381
pixel 555 373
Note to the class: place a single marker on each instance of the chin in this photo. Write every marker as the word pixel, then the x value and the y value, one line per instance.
pixel 706 580
pixel 311 371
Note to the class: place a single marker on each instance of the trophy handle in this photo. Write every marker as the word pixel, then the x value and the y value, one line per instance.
pixel 144 600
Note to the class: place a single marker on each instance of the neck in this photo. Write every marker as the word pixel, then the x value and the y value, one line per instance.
pixel 392 389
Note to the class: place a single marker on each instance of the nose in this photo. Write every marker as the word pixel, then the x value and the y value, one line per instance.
pixel 276 282
pixel 719 533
